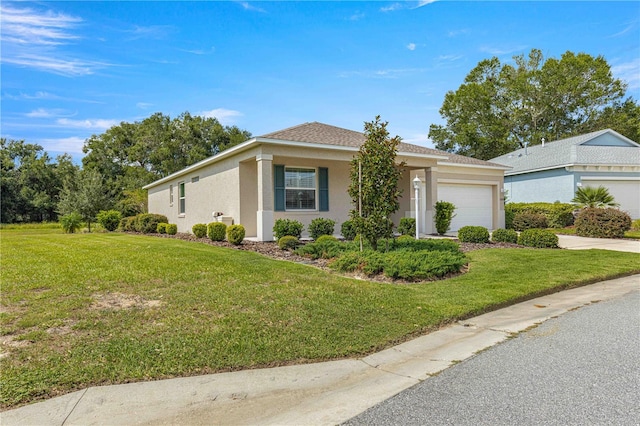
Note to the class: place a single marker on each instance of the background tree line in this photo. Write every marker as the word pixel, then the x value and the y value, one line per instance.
pixel 117 164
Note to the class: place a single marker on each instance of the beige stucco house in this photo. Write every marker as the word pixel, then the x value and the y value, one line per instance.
pixel 302 173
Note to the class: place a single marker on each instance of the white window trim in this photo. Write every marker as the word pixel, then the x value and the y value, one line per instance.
pixel 181 198
pixel 315 188
pixel 171 195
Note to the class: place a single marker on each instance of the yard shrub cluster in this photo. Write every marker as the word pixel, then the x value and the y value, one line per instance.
pixel 635 225
pixel 526 220
pixel 235 234
pixel 162 228
pixel 288 242
pixel 171 229
pixel 127 224
pixel 558 215
pixel 147 223
pixel 71 222
pixel 284 227
pixel 538 238
pixel 199 230
pixel 444 215
pixel 407 226
pixel 602 223
pixel 216 231
pixel 473 234
pixel 504 236
pixel 323 248
pixel 348 230
pixel 321 226
pixel 109 219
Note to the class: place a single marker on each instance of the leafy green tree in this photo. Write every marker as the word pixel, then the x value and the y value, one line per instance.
pixel 588 196
pixel 374 183
pixel 503 107
pixel 84 195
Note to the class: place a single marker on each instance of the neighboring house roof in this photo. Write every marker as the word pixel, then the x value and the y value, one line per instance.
pixel 604 147
pixel 325 135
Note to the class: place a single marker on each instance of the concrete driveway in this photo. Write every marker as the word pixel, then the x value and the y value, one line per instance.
pixel 573 242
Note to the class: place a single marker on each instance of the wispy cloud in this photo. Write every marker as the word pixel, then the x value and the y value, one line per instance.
pixel 498 51
pixel 226 117
pixel 356 16
pixel 449 58
pixel 411 46
pixel 212 49
pixel 70 145
pixel 47 113
pixel 455 33
pixel 625 30
pixel 629 72
pixel 392 7
pixel 406 5
pixel 41 95
pixel 424 3
pixel 144 105
pixel 69 67
pixel 385 73
pixel 248 6
pixel 154 32
pixel 94 124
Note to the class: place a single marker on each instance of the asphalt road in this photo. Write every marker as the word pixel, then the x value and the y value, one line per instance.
pixel 582 368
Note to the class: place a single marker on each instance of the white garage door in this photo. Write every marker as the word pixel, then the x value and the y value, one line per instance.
pixel 626 193
pixel 473 204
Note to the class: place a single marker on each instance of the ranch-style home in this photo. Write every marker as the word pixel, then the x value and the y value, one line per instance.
pixel 302 173
pixel 553 171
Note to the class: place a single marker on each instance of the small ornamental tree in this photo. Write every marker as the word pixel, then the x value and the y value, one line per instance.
pixel 374 188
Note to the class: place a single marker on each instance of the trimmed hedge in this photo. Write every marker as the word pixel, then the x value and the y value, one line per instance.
pixel 324 248
pixel 558 215
pixel 602 223
pixel 171 229
pixel 109 219
pixel 321 226
pixel 526 220
pixel 504 236
pixel 147 223
pixel 235 234
pixel 216 231
pixel 128 224
pixel 162 228
pixel 473 234
pixel 444 215
pixel 288 242
pixel 199 230
pixel 538 238
pixel 348 230
pixel 284 227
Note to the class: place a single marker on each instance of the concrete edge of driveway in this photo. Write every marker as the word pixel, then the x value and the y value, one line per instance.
pixel 574 242
pixel 320 393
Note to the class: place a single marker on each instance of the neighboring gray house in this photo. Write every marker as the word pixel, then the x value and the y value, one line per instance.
pixel 302 173
pixel 554 170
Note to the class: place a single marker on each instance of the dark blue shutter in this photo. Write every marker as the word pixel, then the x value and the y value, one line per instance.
pixel 278 186
pixel 323 177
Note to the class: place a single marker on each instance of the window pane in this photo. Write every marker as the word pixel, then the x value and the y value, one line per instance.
pixel 300 178
pixel 182 205
pixel 300 199
pixel 181 190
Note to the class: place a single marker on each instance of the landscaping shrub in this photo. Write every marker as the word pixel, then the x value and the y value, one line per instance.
pixel 284 227
pixel 171 228
pixel 473 234
pixel 128 224
pixel 323 238
pixel 635 225
pixel 407 226
pixel 147 223
pixel 216 231
pixel 418 265
pixel 558 215
pixel 602 223
pixel 320 226
pixel 288 242
pixel 199 230
pixel 162 228
pixel 322 249
pixel 350 261
pixel 509 214
pixel 348 230
pixel 522 221
pixel 109 219
pixel 504 236
pixel 539 238
pixel 235 234
pixel 406 242
pixel 444 215
pixel 71 222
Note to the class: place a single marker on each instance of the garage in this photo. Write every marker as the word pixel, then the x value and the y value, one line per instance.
pixel 473 204
pixel 625 192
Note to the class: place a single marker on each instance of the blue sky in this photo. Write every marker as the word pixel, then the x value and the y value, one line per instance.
pixel 73 69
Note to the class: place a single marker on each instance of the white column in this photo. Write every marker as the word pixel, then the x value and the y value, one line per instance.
pixel 430 198
pixel 265 197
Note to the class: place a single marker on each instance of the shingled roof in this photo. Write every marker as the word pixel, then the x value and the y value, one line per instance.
pixel 587 149
pixel 321 133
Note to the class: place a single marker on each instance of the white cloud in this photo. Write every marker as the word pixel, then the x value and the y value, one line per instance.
pixel 46 113
pixel 356 16
pixel 226 117
pixel 154 32
pixel 628 72
pixel 68 67
pixel 392 7
pixel 455 33
pixel 411 46
pixel 497 51
pixel 424 3
pixel 385 73
pixel 212 49
pixel 97 124
pixel 248 6
pixel 71 144
pixel 144 105
pixel 449 58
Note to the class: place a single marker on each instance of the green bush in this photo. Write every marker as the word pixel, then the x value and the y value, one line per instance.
pixel 350 261
pixel 539 238
pixel 109 219
pixel 522 221
pixel 288 242
pixel 147 223
pixel 418 265
pixel 320 226
pixel 444 215
pixel 473 234
pixel 128 224
pixel 199 230
pixel 216 231
pixel 406 242
pixel 235 234
pixel 407 226
pixel 71 222
pixel 171 228
pixel 635 225
pixel 509 214
pixel 602 223
pixel 504 236
pixel 161 228
pixel 323 238
pixel 284 227
pixel 558 215
pixel 348 230
pixel 322 249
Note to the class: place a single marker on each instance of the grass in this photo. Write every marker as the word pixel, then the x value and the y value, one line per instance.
pixel 90 309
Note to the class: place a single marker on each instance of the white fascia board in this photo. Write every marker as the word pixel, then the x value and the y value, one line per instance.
pixel 475 166
pixel 541 169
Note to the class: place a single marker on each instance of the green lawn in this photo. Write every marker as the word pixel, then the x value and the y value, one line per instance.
pixel 85 309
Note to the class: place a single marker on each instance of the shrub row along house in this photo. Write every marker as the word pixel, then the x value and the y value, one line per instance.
pixel 302 173
pixel 553 171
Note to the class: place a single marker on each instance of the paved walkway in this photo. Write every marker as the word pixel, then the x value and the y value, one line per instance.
pixel 573 242
pixel 314 394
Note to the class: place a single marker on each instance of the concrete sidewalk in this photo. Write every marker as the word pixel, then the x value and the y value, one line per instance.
pixel 573 242
pixel 314 394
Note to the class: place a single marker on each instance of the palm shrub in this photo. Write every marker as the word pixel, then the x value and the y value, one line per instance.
pixel 588 196
pixel 504 236
pixel 235 234
pixel 407 226
pixel 444 215
pixel 538 238
pixel 473 234
pixel 321 226
pixel 199 230
pixel 216 231
pixel 602 223
pixel 71 222
pixel 284 227
pixel 109 219
pixel 348 230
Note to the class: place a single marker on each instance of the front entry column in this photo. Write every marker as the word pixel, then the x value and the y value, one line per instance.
pixel 265 197
pixel 430 199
